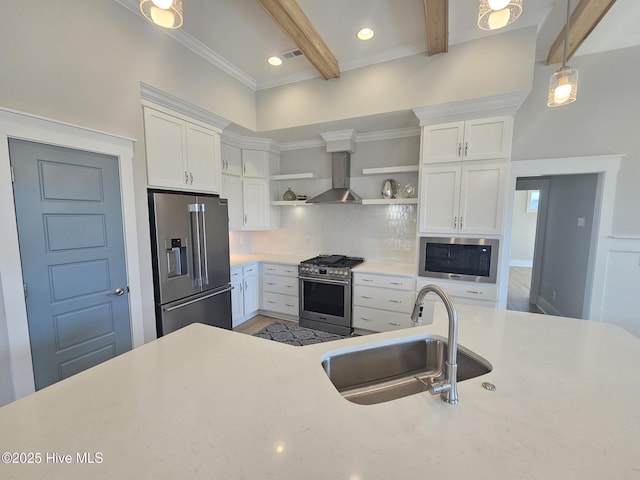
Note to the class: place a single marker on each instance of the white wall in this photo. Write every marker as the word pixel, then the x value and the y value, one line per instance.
pixel 604 120
pixel 494 65
pixel 523 239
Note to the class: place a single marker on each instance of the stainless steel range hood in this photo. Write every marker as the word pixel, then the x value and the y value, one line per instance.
pixel 340 191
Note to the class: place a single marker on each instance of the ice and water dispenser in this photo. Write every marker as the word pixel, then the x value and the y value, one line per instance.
pixel 176 257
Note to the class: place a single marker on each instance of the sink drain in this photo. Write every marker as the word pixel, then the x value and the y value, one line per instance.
pixel 489 386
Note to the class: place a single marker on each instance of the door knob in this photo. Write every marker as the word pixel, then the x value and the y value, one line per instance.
pixel 118 292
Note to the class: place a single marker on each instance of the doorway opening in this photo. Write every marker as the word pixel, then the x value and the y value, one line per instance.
pixel 552 237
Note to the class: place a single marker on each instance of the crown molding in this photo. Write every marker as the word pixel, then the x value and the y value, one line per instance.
pixel 506 104
pixel 340 141
pixel 264 144
pixel 303 144
pixel 158 97
pixel 197 47
pixel 388 134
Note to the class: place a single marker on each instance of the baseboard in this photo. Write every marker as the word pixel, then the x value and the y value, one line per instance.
pixel 547 308
pixel 514 262
pixel 281 316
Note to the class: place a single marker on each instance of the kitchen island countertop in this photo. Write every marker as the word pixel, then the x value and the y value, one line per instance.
pixel 208 403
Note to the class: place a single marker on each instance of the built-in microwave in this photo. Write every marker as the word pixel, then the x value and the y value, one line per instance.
pixel 471 259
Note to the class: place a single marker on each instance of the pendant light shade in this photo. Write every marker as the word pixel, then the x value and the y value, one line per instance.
pixel 164 13
pixel 494 14
pixel 563 85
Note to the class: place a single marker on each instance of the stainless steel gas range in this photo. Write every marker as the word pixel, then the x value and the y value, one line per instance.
pixel 325 293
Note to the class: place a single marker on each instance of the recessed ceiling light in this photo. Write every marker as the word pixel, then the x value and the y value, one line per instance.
pixel 365 33
pixel 275 61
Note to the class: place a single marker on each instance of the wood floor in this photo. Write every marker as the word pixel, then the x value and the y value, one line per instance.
pixel 519 287
pixel 257 323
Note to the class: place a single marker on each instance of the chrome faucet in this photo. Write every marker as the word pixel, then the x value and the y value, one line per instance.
pixel 447 388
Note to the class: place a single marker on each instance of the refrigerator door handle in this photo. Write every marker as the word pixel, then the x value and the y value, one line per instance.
pixel 190 302
pixel 194 209
pixel 205 267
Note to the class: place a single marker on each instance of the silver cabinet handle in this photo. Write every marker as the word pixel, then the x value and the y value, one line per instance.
pixel 191 177
pixel 455 222
pixel 365 296
pixel 396 283
pixel 466 148
pixel 271 301
pixel 271 283
pixel 367 280
pixel 118 292
pixel 461 222
pixel 475 292
pixel 366 319
pixel 289 305
pixel 395 301
pixel 186 177
pixel 459 149
pixel 394 324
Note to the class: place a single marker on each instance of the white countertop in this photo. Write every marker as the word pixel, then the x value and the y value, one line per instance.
pixel 208 403
pixel 366 267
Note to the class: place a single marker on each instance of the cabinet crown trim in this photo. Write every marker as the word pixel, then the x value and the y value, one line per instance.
pixel 154 98
pixel 505 104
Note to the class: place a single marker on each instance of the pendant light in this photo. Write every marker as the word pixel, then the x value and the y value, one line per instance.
pixel 563 85
pixel 494 14
pixel 164 13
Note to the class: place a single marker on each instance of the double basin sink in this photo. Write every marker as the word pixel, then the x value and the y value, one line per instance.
pixel 387 371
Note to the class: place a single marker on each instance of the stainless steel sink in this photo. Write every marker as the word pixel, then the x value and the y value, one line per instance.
pixel 383 372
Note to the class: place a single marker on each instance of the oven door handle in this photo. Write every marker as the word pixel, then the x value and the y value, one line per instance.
pixel 324 280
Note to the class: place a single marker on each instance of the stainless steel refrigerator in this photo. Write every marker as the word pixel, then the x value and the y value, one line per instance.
pixel 190 245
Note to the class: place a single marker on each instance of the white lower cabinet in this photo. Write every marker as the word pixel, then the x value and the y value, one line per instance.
pixel 465 293
pixel 280 290
pixel 382 302
pixel 245 295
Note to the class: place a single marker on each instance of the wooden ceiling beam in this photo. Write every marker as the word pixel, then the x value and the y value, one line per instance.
pixel 294 23
pixel 584 18
pixel 436 13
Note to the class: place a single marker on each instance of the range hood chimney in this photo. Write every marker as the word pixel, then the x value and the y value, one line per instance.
pixel 340 191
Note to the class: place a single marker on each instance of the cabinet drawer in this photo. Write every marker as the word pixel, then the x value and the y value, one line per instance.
pixel 384 281
pixel 279 284
pixel 276 302
pixel 468 290
pixel 386 299
pixel 277 269
pixel 250 269
pixel 378 320
pixel 236 273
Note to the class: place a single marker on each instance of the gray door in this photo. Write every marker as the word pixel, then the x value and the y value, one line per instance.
pixel 69 216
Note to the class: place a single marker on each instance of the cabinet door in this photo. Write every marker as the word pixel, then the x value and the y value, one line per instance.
pixel 237 300
pixel 232 191
pixel 482 197
pixel 442 143
pixel 256 203
pixel 165 143
pixel 203 159
pixel 439 199
pixel 487 138
pixel 255 163
pixel 251 294
pixel 231 160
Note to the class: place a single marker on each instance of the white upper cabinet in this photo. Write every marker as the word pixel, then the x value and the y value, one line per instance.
pixel 255 163
pixel 203 158
pixel 463 198
pixel 181 154
pixel 479 139
pixel 231 160
pixel 232 191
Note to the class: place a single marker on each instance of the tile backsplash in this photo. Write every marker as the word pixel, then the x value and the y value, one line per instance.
pixel 379 233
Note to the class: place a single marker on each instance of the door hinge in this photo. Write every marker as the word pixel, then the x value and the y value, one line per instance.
pixel 13 174
pixel 24 287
